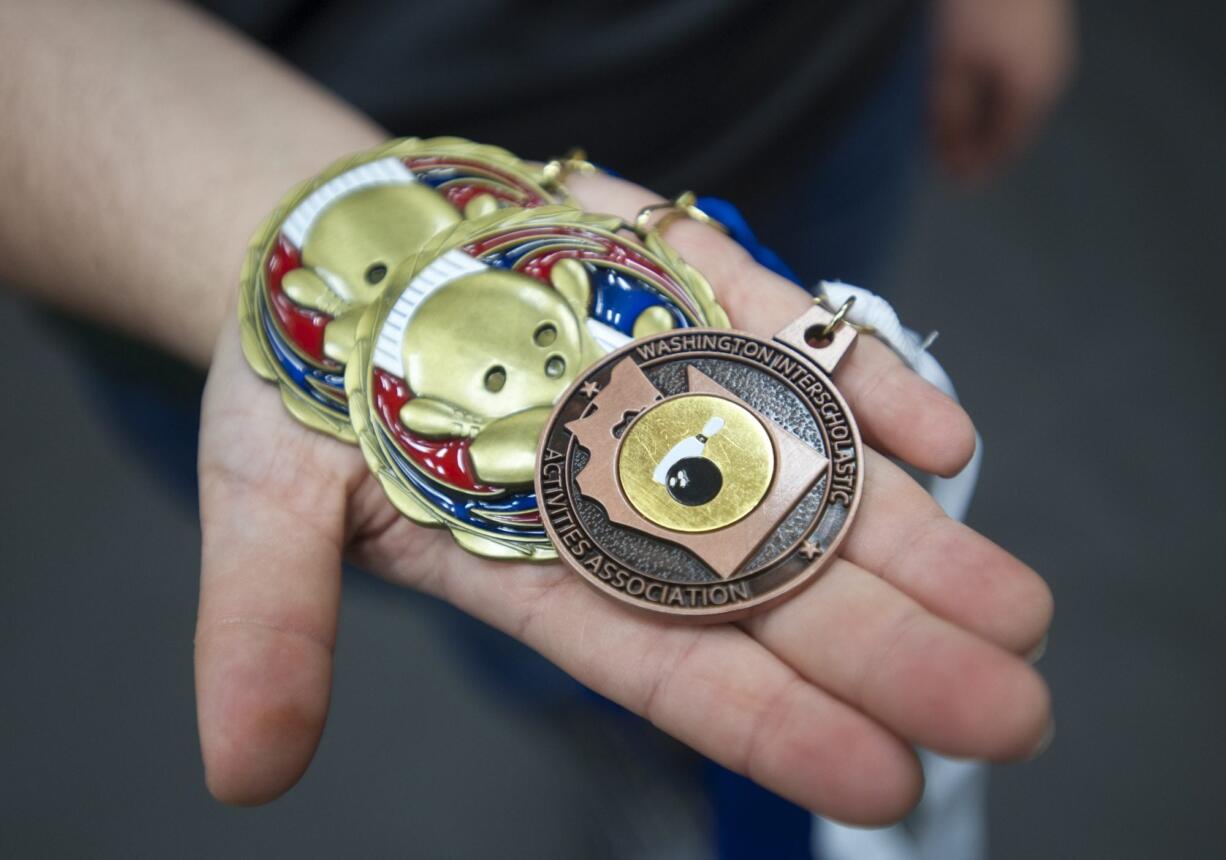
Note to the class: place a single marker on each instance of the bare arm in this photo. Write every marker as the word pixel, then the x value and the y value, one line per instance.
pixel 142 143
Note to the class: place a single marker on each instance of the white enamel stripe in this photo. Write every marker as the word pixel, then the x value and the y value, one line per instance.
pixel 443 270
pixel 606 337
pixel 385 171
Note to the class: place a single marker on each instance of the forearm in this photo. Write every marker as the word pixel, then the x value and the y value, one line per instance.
pixel 142 143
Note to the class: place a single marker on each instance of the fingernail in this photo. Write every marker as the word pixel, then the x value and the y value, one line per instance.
pixel 1039 650
pixel 1045 741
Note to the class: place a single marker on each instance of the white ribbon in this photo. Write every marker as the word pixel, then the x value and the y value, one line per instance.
pixel 950 822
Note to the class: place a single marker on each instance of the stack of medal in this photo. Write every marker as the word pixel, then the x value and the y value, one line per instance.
pixel 432 300
pixel 547 383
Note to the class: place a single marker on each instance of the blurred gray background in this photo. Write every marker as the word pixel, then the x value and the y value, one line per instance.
pixel 1081 305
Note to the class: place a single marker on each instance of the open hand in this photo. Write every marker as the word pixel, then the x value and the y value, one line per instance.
pixel 912 637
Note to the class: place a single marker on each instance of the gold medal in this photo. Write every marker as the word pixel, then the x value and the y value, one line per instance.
pixel 329 248
pixel 456 367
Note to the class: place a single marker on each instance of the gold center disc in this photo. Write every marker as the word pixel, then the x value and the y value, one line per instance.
pixel 695 463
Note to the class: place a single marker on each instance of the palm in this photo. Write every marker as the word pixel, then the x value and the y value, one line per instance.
pixel 909 638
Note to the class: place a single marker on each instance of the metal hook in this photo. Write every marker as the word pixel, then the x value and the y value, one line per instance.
pixel 684 205
pixel 839 315
pixel 556 170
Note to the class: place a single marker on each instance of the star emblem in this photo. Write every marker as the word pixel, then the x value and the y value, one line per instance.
pixel 589 389
pixel 810 550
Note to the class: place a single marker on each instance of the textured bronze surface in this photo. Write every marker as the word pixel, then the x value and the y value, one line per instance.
pixel 753 545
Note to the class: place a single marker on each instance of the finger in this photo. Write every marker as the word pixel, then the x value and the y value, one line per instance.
pixel 1030 71
pixel 903 415
pixel 902 535
pixel 1028 87
pixel 272 518
pixel 927 680
pixel 955 117
pixel 1012 95
pixel 712 688
pixel 898 411
pixel 1010 114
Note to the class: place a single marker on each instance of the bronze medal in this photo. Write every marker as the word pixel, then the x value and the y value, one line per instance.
pixel 704 474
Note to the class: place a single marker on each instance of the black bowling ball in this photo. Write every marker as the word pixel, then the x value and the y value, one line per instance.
pixel 694 481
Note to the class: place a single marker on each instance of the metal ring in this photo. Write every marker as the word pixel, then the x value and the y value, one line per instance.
pixel 556 170
pixel 684 205
pixel 839 315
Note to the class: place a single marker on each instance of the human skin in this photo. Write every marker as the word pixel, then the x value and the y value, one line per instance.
pixel 143 144
pixel 999 68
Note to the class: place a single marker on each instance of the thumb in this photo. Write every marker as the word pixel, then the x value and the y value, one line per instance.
pixel 272 532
